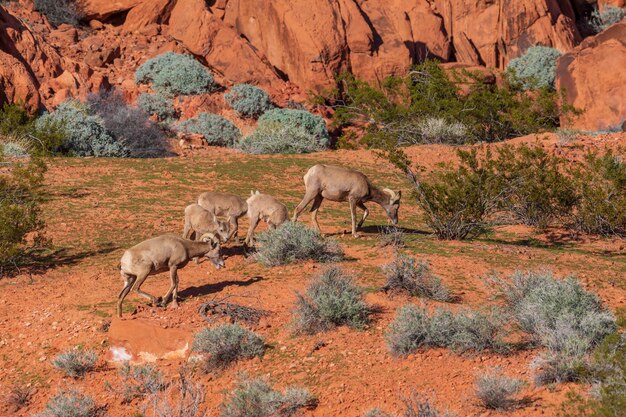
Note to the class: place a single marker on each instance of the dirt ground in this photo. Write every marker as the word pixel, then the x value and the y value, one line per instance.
pixel 96 208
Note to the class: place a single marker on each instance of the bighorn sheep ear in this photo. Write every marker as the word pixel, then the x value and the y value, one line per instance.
pixel 251 192
pixel 257 192
pixel 393 196
pixel 210 237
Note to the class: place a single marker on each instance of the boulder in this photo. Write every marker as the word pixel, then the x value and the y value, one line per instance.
pixel 592 76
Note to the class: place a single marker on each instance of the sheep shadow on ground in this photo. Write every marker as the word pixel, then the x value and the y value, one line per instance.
pixel 217 287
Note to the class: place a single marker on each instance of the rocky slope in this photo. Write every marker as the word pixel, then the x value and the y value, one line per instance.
pixel 285 46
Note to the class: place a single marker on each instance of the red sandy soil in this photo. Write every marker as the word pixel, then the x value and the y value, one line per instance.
pixel 50 311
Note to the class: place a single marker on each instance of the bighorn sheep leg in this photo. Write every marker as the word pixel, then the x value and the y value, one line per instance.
pixel 353 204
pixel 305 202
pixel 137 287
pixel 173 287
pixel 129 280
pixel 250 237
pixel 314 208
pixel 366 212
pixel 234 228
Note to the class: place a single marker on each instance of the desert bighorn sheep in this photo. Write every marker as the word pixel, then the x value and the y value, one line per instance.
pixel 160 254
pixel 344 184
pixel 224 205
pixel 199 221
pixel 267 208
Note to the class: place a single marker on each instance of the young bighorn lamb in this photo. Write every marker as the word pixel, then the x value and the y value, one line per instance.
pixel 199 221
pixel 225 205
pixel 160 254
pixel 267 208
pixel 345 184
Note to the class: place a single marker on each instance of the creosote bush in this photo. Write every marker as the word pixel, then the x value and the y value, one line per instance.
pixel 464 331
pixel 331 299
pixel 70 403
pixel 536 68
pixel 312 124
pixel 156 104
pixel 496 391
pixel 293 242
pixel 416 279
pixel 248 100
pixel 76 362
pixel 59 11
pixel 175 74
pixel 217 131
pixel 274 137
pixel 256 398
pixel 227 344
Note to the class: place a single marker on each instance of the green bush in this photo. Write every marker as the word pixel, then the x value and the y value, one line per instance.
pixel 293 242
pixel 59 11
pixel 76 362
pixel 70 403
pixel 217 131
pixel 331 299
pixel 256 398
pixel 20 214
pixel 18 127
pixel 14 120
pixel 601 188
pixel 14 149
pixel 227 344
pixel 274 137
pixel 536 68
pixel 248 100
pixel 174 74
pixel 412 328
pixel 156 104
pixel 312 124
pixel 404 275
pixel 495 390
pixel 609 16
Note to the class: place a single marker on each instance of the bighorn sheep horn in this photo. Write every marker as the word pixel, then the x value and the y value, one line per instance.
pixel 392 194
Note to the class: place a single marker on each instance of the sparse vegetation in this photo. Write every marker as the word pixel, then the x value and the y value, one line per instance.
pixel 156 104
pixel 609 16
pixel 248 100
pixel 217 131
pixel 416 279
pixel 312 124
pixel 331 299
pixel 256 398
pixel 536 68
pixel 392 236
pixel 414 406
pixel 20 132
pixel 496 390
pixel 439 130
pixel 140 381
pixel 70 403
pixel 76 362
pixel 293 242
pixel 59 11
pixel 227 344
pixel 174 74
pixel 19 397
pixel 273 137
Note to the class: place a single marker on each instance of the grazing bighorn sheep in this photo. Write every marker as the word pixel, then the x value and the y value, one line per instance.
pixel 160 254
pixel 267 208
pixel 344 184
pixel 199 221
pixel 225 205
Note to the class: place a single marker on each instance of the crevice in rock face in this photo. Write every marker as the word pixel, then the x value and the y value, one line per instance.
pixel 281 74
pixel 377 40
pixel 116 19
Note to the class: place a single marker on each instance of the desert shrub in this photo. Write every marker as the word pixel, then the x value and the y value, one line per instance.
pixel 536 68
pixel 537 189
pixel 414 406
pixel 129 125
pixel 331 299
pixel 20 128
pixel 76 362
pixel 256 398
pixel 217 131
pixel 156 104
pixel 439 130
pixel 21 192
pixel 140 381
pixel 14 120
pixel 391 236
pixel 600 20
pixel 312 124
pixel 227 344
pixel 377 412
pixel 248 100
pixel 85 133
pixel 601 187
pixel 412 328
pixel 458 202
pixel 70 403
pixel 174 74
pixel 14 149
pixel 274 137
pixel 495 390
pixel 19 397
pixel 293 242
pixel 416 279
pixel 59 11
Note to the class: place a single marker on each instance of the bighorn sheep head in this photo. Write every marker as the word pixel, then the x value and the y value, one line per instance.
pixel 214 254
pixel 393 205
